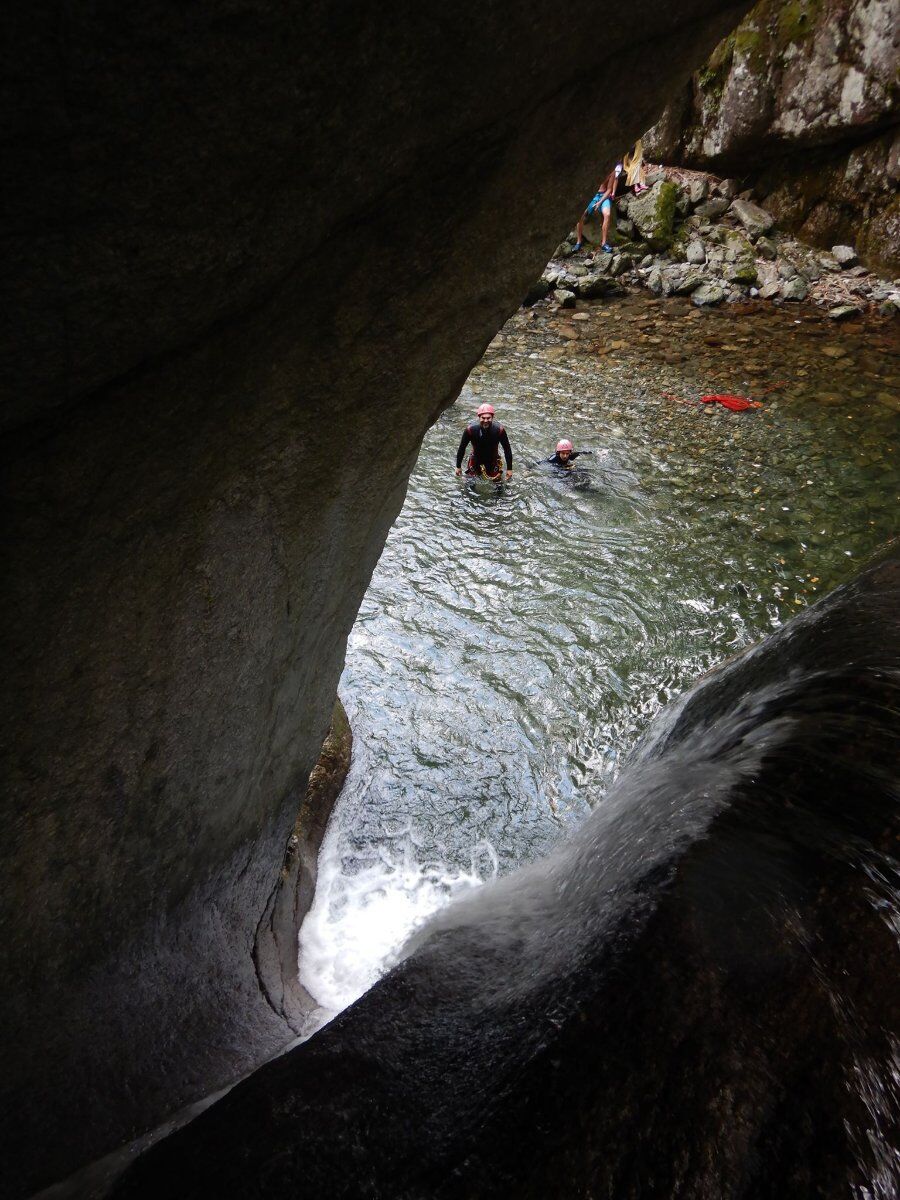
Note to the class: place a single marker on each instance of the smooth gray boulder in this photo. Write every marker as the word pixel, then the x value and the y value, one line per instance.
pixel 753 218
pixel 708 295
pixel 795 289
pixel 844 256
pixel 695 253
pixel 698 190
pixel 712 208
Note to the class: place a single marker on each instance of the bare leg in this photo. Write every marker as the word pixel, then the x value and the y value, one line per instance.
pixel 604 236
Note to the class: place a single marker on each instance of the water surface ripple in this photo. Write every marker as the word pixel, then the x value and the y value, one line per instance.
pixel 515 641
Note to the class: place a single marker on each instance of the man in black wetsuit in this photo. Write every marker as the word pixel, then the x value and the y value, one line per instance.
pixel 486 436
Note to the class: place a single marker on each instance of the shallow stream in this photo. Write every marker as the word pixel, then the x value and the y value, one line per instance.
pixel 516 640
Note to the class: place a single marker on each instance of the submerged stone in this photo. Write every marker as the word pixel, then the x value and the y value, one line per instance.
pixel 842 311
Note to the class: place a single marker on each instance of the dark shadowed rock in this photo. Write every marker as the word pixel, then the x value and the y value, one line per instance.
pixel 200 278
pixel 597 284
pixel 275 945
pixel 538 291
pixel 697 996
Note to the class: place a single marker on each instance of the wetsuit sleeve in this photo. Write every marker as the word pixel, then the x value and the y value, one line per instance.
pixel 507 449
pixel 462 446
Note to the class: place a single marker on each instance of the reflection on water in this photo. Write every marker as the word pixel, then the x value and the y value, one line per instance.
pixel 516 640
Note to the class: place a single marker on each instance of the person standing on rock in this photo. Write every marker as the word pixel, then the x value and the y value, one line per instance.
pixel 602 201
pixel 486 436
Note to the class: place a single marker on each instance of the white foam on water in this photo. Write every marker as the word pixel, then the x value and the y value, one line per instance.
pixel 359 921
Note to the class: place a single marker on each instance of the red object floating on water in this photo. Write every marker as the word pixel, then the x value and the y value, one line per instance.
pixel 735 403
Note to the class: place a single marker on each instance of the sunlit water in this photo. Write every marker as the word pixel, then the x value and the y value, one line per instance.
pixel 515 641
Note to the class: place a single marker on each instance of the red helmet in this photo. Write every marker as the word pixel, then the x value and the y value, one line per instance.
pixel 486 410
pixel 565 444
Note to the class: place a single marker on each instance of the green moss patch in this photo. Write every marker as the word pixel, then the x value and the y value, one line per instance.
pixel 795 21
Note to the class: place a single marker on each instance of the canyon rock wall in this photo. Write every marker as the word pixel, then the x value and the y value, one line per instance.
pixel 696 995
pixel 215 386
pixel 802 101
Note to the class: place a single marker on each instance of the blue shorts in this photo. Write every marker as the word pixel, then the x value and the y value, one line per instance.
pixel 603 205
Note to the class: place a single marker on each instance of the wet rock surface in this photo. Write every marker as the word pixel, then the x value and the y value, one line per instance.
pixel 762 473
pixel 275 949
pixel 690 998
pixel 200 279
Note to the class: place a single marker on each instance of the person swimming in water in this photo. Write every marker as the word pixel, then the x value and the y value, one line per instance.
pixel 565 454
pixel 487 437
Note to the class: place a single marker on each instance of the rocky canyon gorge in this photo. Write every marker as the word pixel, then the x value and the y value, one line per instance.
pixel 215 387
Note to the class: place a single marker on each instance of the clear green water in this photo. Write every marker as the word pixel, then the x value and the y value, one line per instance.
pixel 516 641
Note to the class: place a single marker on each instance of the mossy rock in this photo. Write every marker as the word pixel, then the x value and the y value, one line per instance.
pixel 653 214
pixel 678 249
pixel 743 271
pixel 733 240
pixel 795 21
pixel 711 77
